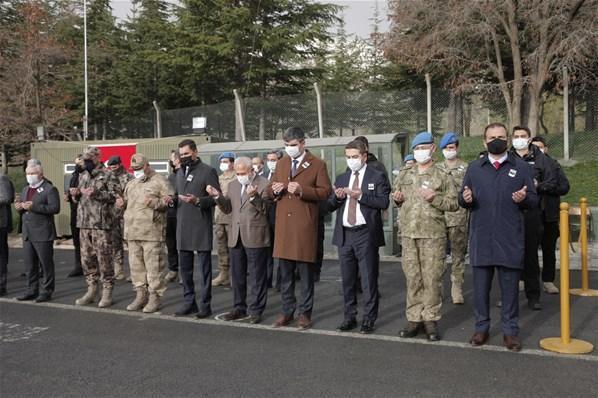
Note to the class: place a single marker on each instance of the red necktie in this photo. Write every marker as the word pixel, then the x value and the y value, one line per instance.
pixel 496 164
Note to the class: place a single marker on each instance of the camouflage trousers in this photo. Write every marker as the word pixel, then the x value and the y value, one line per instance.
pixel 423 265
pixel 221 231
pixel 457 237
pixel 96 256
pixel 147 263
pixel 118 252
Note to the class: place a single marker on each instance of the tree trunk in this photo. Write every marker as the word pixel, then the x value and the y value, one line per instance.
pixel 452 113
pixel 591 110
pixel 262 124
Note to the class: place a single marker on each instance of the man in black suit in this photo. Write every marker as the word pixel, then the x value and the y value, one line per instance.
pixel 41 202
pixel 194 227
pixel 7 195
pixel 74 203
pixel 361 194
pixel 272 157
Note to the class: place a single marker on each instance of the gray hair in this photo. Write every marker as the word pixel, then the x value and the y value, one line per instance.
pixel 34 164
pixel 243 160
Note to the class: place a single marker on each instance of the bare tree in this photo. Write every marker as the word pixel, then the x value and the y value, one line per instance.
pixel 516 46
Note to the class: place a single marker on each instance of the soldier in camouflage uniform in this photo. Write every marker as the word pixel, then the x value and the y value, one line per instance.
pixel 96 193
pixel 222 221
pixel 145 202
pixel 116 167
pixel 423 192
pixel 456 222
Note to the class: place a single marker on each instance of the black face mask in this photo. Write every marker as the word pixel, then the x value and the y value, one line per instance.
pixel 497 146
pixel 89 165
pixel 186 161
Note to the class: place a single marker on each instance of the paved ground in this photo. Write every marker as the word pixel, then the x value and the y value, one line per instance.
pixel 57 349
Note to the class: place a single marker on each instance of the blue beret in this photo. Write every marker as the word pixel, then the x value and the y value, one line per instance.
pixel 422 138
pixel 226 155
pixel 408 158
pixel 448 138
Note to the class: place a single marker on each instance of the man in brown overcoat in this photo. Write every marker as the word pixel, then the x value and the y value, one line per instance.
pixel 299 183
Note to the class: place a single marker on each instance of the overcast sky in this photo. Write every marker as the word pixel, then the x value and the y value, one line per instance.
pixel 357 13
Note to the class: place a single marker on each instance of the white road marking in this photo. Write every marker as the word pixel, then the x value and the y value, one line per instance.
pixel 13 332
pixel 320 332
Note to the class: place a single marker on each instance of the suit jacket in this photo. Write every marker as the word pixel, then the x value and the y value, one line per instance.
pixel 7 196
pixel 194 222
pixel 38 223
pixel 296 227
pixel 375 197
pixel 249 218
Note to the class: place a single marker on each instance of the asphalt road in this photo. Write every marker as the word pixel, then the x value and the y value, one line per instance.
pixel 60 350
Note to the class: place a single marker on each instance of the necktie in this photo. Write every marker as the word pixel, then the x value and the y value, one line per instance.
pixel 352 216
pixel 496 164
pixel 294 168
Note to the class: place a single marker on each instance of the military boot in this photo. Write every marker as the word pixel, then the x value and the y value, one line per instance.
pixel 140 300
pixel 457 293
pixel 222 279
pixel 90 296
pixel 153 304
pixel 431 330
pixel 106 300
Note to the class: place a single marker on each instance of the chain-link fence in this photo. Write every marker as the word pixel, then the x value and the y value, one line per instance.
pixel 370 112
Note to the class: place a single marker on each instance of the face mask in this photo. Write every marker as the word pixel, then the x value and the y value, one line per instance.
pixel 354 164
pixel 422 156
pixel 89 165
pixel 497 146
pixel 223 167
pixel 271 165
pixel 32 179
pixel 138 173
pixel 256 168
pixel 186 161
pixel 520 143
pixel 292 151
pixel 449 154
pixel 243 180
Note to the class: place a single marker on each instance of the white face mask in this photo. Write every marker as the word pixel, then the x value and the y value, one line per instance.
pixel 449 154
pixel 520 143
pixel 271 165
pixel 138 173
pixel 422 156
pixel 256 168
pixel 243 180
pixel 224 167
pixel 32 179
pixel 354 164
pixel 292 151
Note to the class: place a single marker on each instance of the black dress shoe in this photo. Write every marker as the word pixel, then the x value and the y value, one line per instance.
pixel 431 331
pixel 512 343
pixel 2 292
pixel 233 315
pixel 186 309
pixel 254 319
pixel 411 330
pixel 75 272
pixel 203 314
pixel 42 298
pixel 534 305
pixel 479 338
pixel 348 324
pixel 27 297
pixel 367 327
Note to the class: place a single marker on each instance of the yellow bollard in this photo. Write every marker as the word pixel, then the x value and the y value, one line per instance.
pixel 565 344
pixel 583 235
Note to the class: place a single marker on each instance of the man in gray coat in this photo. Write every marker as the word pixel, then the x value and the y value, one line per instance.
pixel 194 227
pixel 38 203
pixel 248 239
pixel 7 195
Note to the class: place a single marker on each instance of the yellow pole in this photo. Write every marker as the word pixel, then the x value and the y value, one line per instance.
pixel 583 236
pixel 565 344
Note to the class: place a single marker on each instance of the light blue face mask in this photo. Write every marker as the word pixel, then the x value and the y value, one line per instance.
pixel 138 173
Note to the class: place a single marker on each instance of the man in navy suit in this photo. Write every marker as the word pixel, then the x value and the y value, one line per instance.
pixel 361 193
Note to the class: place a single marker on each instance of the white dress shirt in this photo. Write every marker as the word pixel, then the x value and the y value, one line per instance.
pixel 360 220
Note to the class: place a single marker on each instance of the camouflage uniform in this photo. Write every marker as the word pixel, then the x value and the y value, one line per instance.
pixel 145 231
pixel 456 224
pixel 95 220
pixel 117 232
pixel 222 226
pixel 423 238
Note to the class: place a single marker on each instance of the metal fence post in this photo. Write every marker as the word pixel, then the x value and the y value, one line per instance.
pixel 429 101
pixel 239 118
pixel 320 115
pixel 158 119
pixel 565 114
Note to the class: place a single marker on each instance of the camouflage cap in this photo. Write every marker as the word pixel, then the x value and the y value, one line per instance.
pixel 91 152
pixel 138 161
